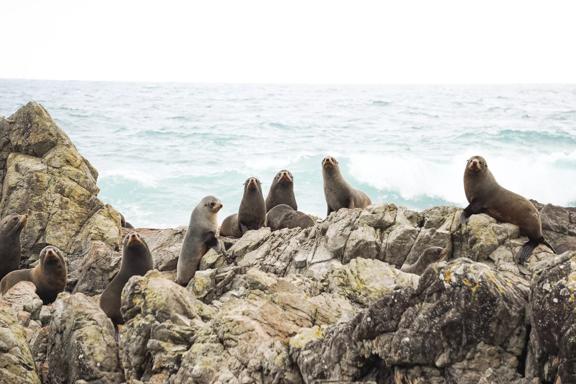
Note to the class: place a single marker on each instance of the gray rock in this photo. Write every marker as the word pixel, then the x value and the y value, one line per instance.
pixel 16 363
pixel 81 343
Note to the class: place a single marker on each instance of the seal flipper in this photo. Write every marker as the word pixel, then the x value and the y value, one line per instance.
pixel 473 208
pixel 526 250
pixel 211 240
pixel 546 243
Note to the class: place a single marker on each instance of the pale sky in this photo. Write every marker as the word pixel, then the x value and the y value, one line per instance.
pixel 292 41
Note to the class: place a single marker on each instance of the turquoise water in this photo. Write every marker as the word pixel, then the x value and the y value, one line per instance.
pixel 160 148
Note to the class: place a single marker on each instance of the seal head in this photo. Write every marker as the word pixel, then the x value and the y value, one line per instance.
pixel 281 191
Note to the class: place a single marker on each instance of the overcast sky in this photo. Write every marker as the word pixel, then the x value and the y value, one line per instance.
pixel 292 41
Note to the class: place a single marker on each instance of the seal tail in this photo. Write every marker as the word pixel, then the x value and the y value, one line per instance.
pixel 526 250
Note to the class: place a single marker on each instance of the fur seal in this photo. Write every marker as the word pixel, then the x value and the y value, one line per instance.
pixel 284 216
pixel 485 195
pixel 136 260
pixel 281 191
pixel 252 212
pixel 201 236
pixel 124 223
pixel 339 194
pixel 429 256
pixel 49 276
pixel 10 252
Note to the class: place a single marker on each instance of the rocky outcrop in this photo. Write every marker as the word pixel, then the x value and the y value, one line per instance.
pixel 44 176
pixel 80 343
pixel 325 303
pixel 16 363
pixel 553 320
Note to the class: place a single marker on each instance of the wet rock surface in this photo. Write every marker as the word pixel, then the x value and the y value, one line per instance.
pixel 328 302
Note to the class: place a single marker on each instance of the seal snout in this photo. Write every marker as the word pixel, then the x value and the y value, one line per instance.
pixel 329 162
pixel 476 164
pixel 215 206
pixel 133 238
pixel 252 183
pixel 51 255
pixel 285 176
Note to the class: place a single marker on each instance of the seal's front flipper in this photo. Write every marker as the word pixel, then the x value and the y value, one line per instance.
pixel 473 208
pixel 210 240
pixel 525 252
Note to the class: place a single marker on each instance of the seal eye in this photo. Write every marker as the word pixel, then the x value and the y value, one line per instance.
pixel 211 204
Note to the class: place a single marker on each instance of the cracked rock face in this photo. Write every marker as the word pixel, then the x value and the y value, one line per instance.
pixel 44 176
pixel 328 302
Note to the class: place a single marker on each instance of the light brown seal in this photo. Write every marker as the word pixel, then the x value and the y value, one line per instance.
pixel 10 251
pixel 252 212
pixel 284 216
pixel 429 256
pixel 281 191
pixel 200 236
pixel 136 260
pixel 485 195
pixel 49 276
pixel 338 193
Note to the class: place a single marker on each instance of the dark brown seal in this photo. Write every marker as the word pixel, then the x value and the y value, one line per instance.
pixel 429 256
pixel 485 195
pixel 124 223
pixel 284 216
pixel 200 236
pixel 338 193
pixel 10 251
pixel 49 276
pixel 252 212
pixel 281 191
pixel 136 260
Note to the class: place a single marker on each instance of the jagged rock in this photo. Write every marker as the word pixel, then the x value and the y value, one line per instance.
pixel 48 179
pixel 553 318
pixel 365 281
pixel 16 363
pixel 161 320
pixel 26 304
pixel 80 344
pixel 457 306
pixel 559 225
pixel 97 268
pixel 248 338
pixel 165 245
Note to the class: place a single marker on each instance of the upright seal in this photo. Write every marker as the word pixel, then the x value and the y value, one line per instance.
pixel 10 251
pixel 252 212
pixel 201 236
pixel 281 191
pixel 338 193
pixel 485 195
pixel 136 260
pixel 49 276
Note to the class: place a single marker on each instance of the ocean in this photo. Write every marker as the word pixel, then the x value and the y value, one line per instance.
pixel 161 147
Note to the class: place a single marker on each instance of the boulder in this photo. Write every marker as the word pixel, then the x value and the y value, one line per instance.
pixel 80 343
pixel 45 177
pixel 16 363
